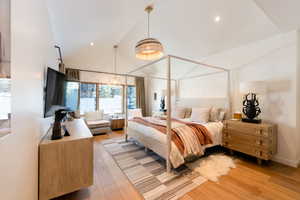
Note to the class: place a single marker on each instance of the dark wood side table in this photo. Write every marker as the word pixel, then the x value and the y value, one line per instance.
pixel 117 123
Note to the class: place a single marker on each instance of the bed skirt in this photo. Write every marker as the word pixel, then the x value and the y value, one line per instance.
pixel 148 142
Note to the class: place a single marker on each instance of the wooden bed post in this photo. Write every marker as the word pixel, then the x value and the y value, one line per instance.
pixel 169 114
pixel 229 93
pixel 126 110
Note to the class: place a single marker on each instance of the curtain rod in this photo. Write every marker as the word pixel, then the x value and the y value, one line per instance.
pixel 101 72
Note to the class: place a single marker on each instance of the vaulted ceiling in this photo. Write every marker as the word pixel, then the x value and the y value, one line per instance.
pixel 186 28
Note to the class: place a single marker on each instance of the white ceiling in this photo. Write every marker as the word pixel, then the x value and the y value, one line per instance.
pixel 185 28
pixel 77 23
pixel 284 13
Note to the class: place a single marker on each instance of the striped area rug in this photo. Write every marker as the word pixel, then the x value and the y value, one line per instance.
pixel 147 172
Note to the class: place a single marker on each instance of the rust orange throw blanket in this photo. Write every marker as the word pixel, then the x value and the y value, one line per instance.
pixel 200 131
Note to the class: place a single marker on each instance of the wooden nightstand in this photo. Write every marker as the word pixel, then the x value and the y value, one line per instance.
pixel 258 140
pixel 117 123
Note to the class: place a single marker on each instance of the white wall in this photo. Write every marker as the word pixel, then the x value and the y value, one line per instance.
pixel 207 86
pixel 154 85
pixel 273 61
pixel 32 50
pixel 278 70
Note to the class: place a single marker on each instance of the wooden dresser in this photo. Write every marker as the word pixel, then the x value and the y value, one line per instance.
pixel 258 140
pixel 66 165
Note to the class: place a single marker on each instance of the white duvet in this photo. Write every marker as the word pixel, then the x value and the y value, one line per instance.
pixel 157 141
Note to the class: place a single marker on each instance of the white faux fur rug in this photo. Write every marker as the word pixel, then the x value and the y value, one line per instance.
pixel 213 166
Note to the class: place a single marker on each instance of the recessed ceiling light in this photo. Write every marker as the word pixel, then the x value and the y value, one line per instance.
pixel 217 18
pixel 92 43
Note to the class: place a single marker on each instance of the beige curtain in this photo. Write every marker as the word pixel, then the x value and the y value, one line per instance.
pixel 140 94
pixel 73 74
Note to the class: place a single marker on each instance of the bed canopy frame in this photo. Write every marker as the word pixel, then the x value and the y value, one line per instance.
pixel 167 75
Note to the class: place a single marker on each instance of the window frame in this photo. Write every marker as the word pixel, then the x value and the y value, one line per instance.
pixel 98 96
pixel 123 96
pixel 78 103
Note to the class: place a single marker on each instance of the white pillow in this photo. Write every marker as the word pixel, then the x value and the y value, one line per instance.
pixel 200 115
pixel 222 115
pixel 214 114
pixel 134 113
pixel 179 112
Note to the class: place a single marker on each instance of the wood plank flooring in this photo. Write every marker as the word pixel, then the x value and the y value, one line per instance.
pixel 247 181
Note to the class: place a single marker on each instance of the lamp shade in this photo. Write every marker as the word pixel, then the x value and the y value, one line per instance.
pixel 149 49
pixel 257 87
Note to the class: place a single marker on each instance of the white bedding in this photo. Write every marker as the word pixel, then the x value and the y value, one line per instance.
pixel 157 141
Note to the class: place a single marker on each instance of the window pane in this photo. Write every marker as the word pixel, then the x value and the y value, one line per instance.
pixel 71 97
pixel 87 97
pixel 5 98
pixel 111 98
pixel 131 97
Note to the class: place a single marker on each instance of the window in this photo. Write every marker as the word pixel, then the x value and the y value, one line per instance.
pixel 111 98
pixel 87 97
pixel 131 97
pixel 71 97
pixel 5 98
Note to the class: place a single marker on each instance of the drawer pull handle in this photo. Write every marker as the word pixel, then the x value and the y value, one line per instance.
pixel 259 153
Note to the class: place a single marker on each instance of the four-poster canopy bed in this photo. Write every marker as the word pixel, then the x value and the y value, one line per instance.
pixel 172 68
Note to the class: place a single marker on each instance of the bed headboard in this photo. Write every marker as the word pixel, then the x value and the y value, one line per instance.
pixel 206 102
pixel 203 102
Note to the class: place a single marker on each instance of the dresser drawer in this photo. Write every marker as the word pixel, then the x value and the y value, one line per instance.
pixel 256 131
pixel 248 149
pixel 247 139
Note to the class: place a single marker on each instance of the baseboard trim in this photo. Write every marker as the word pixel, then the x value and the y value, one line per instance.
pixel 291 163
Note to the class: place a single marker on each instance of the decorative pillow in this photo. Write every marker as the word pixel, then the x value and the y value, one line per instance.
pixel 222 115
pixel 134 113
pixel 188 113
pixel 179 112
pixel 214 114
pixel 200 115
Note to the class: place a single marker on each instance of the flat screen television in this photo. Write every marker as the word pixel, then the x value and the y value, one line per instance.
pixel 55 90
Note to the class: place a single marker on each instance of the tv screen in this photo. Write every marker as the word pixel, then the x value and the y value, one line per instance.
pixel 55 89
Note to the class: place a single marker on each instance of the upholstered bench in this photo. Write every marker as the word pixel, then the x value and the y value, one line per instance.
pixel 96 123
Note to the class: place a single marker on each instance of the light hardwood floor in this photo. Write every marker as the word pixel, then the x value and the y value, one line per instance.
pixel 247 181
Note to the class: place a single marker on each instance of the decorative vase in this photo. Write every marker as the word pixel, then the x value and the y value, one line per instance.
pixel 250 108
pixel 162 104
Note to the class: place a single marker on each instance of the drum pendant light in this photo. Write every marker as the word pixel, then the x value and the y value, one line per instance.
pixel 149 48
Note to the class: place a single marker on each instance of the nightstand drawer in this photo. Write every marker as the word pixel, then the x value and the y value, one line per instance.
pixel 260 142
pixel 248 149
pixel 258 131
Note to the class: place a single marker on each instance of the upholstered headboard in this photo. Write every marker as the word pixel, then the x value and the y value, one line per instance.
pixel 205 102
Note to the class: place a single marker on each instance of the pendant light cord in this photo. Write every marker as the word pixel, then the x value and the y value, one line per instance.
pixel 148 9
pixel 148 24
pixel 115 59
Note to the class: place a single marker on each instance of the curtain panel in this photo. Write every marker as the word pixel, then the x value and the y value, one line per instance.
pixel 73 74
pixel 140 94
